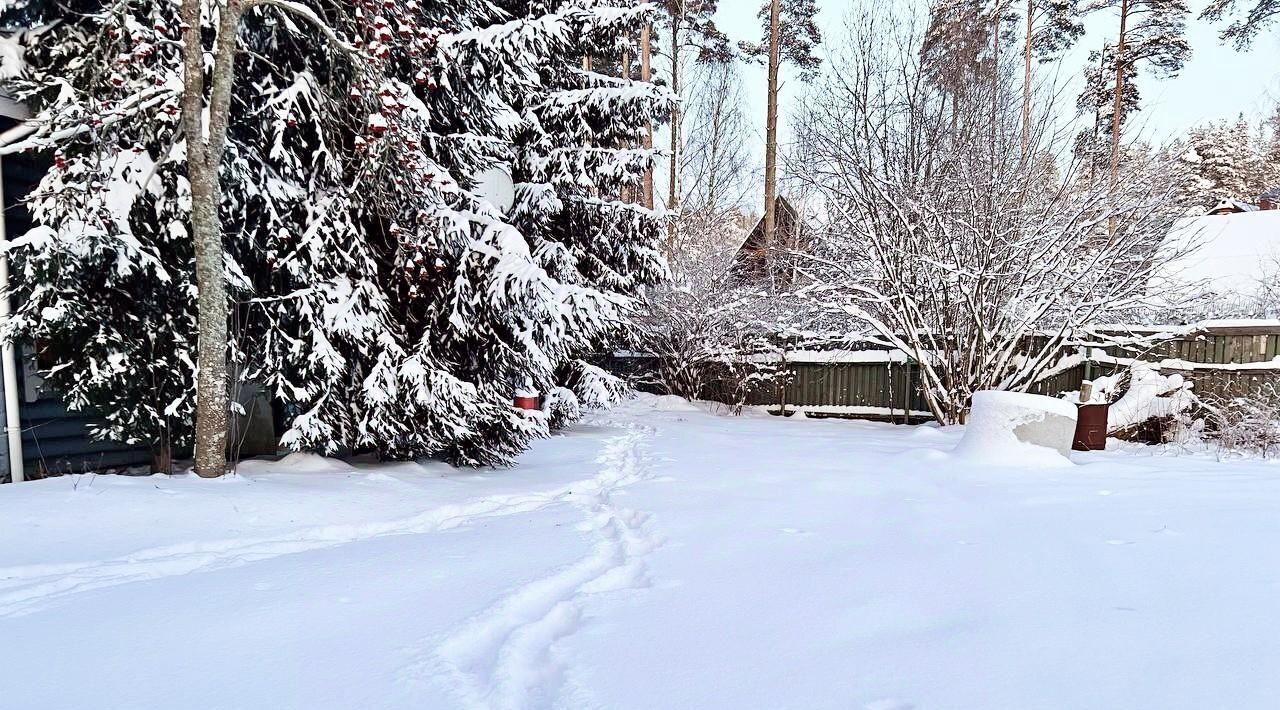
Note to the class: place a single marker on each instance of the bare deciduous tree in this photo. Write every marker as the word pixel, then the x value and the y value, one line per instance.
pixel 716 167
pixel 945 242
pixel 692 38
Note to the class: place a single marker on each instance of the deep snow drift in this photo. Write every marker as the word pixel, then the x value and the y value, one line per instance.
pixel 659 557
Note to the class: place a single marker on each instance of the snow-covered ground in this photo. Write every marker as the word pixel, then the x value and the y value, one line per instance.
pixel 657 557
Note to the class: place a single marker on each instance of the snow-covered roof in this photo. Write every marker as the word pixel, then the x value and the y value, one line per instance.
pixel 1229 205
pixel 1230 255
pixel 13 109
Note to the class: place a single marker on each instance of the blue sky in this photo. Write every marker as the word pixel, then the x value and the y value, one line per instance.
pixel 1216 83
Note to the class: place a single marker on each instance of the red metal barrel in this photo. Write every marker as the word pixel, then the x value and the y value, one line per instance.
pixel 526 402
pixel 1091 427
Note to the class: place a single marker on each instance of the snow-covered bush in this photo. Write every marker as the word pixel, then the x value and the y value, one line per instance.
pixel 562 408
pixel 1245 426
pixel 952 239
pixel 594 388
pixel 706 340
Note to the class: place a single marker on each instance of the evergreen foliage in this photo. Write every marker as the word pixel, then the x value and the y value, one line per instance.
pixel 379 297
pixel 799 37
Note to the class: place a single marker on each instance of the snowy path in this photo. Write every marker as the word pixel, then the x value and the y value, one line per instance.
pixel 661 558
pixel 29 588
pixel 503 658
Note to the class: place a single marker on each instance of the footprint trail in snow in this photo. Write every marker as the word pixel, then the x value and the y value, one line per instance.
pixel 505 656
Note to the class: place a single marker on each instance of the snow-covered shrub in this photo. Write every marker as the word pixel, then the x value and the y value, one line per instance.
pixel 1245 426
pixel 706 340
pixel 979 258
pixel 594 388
pixel 562 408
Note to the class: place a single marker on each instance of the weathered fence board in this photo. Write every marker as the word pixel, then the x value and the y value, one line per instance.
pixel 1221 361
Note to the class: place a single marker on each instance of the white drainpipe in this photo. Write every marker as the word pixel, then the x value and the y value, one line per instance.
pixel 12 420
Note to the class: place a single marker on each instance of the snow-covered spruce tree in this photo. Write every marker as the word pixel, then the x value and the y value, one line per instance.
pixel 114 304
pixel 408 326
pixel 375 294
pixel 575 151
pixel 102 281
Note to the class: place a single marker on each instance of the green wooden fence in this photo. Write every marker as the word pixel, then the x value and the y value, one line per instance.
pixel 1228 360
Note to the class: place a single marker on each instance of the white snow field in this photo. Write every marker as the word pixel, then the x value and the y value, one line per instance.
pixel 657 558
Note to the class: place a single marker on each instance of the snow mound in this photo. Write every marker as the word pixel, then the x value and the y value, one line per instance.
pixel 1150 396
pixel 1017 429
pixel 672 403
pixel 297 463
pixel 663 403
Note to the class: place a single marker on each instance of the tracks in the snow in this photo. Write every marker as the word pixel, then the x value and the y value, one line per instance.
pixel 504 657
pixel 29 588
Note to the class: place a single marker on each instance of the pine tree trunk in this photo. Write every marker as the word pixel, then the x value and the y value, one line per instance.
pixel 673 176
pixel 626 193
pixel 646 75
pixel 771 136
pixel 1116 106
pixel 1026 84
pixel 1097 120
pixel 1119 96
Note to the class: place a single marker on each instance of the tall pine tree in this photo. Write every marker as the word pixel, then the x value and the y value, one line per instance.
pixel 789 35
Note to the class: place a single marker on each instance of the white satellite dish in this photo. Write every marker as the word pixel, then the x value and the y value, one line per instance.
pixel 495 185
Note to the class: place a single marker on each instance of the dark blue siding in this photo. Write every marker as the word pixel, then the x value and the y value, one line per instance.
pixel 57 441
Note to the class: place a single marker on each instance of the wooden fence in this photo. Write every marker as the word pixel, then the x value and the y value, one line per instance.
pixel 1222 360
pixel 888 390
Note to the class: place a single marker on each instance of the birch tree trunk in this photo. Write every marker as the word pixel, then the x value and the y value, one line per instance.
pixel 771 133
